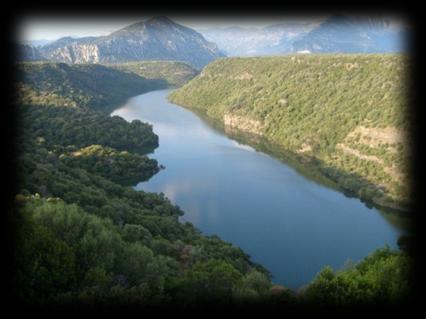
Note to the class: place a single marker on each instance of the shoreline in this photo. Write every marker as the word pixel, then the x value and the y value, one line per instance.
pixel 307 166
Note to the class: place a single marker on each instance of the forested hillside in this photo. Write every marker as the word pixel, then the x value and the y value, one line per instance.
pixel 345 115
pixel 86 236
pixel 167 73
pixel 78 85
pixel 385 276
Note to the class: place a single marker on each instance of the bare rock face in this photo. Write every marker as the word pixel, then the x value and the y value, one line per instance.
pixel 76 53
pixel 155 39
pixel 242 123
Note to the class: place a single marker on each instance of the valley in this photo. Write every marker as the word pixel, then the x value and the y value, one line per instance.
pixel 152 170
pixel 222 186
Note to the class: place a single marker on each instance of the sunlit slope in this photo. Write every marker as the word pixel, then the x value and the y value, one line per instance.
pixel 345 114
pixel 166 73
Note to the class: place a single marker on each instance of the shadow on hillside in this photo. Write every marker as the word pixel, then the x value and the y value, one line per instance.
pixel 318 171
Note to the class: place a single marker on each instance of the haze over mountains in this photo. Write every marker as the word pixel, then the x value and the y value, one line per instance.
pixel 37 43
pixel 28 52
pixel 159 38
pixel 244 41
pixel 353 35
pixel 335 34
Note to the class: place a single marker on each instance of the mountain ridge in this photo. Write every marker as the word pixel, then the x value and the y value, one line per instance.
pixel 157 38
pixel 352 34
pixel 27 52
pixel 338 33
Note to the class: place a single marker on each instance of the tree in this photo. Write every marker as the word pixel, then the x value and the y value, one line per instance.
pixel 212 280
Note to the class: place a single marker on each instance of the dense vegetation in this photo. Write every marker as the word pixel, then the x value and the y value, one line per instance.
pixel 120 167
pixel 86 236
pixel 78 85
pixel 382 277
pixel 344 114
pixel 69 254
pixel 59 126
pixel 166 73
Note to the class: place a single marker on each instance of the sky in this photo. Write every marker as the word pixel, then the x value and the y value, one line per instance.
pixel 38 28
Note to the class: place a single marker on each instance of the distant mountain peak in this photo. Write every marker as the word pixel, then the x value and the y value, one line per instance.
pixel 352 34
pixel 340 32
pixel 160 19
pixel 151 22
pixel 337 19
pixel 358 20
pixel 157 38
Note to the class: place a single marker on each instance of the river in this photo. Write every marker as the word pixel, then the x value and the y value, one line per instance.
pixel 290 224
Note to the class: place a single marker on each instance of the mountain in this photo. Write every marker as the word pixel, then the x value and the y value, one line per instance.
pixel 38 43
pixel 337 33
pixel 272 39
pixel 352 34
pixel 29 53
pixel 158 38
pixel 340 116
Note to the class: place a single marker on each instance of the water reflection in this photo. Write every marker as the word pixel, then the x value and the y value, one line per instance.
pixel 291 224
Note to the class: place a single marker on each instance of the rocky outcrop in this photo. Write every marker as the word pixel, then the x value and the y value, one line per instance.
pixel 242 123
pixel 350 151
pixel 155 39
pixel 244 76
pixel 76 53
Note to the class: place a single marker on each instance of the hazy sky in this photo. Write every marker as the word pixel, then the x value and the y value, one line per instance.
pixel 49 28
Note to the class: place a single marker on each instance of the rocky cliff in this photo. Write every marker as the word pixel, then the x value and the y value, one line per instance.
pixel 157 38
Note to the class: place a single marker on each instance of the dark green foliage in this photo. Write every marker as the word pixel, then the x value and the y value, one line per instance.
pixel 84 237
pixel 120 167
pixel 79 85
pixel 67 252
pixel 382 277
pixel 314 106
pixel 212 280
pixel 254 285
pixel 87 238
pixel 164 73
pixel 64 128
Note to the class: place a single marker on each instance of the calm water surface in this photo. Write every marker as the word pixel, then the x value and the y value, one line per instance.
pixel 284 221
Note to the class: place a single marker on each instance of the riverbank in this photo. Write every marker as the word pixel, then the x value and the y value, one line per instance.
pixel 308 166
pixel 286 220
pixel 351 124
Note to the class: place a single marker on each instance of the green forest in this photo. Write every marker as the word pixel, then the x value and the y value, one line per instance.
pixel 85 235
pixel 345 115
pixel 79 85
pixel 166 73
